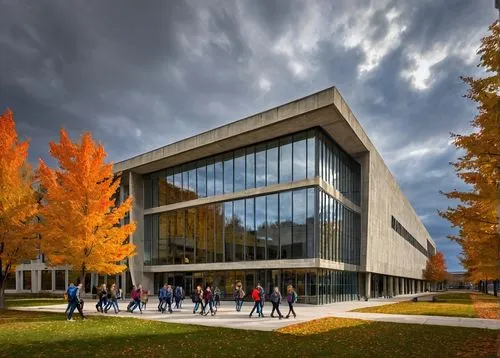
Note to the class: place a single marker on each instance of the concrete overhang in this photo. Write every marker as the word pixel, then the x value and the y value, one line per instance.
pixel 326 109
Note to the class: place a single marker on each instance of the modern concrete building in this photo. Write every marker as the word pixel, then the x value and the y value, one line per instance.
pixel 294 195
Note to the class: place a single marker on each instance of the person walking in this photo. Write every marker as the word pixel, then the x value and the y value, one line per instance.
pixel 197 298
pixel 207 301
pixel 217 295
pixel 262 295
pixel 169 296
pixel 291 297
pixel 239 296
pixel 162 296
pixel 179 296
pixel 74 301
pixel 256 300
pixel 144 299
pixel 113 299
pixel 132 298
pixel 276 300
pixel 136 299
pixel 66 296
pixel 102 294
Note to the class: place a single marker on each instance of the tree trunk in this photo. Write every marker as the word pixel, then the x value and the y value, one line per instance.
pixel 3 281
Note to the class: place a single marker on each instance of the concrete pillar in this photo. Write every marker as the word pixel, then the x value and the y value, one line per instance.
pixel 368 284
pixel 390 286
pixel 413 286
pixel 53 280
pixel 384 286
pixel 19 280
pixel 66 280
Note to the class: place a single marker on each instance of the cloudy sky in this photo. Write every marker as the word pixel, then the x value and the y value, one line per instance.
pixel 140 77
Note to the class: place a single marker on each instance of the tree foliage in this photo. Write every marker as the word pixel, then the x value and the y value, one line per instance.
pixel 435 268
pixel 80 219
pixel 18 201
pixel 476 216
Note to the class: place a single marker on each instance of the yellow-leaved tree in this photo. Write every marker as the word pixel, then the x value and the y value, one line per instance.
pixel 477 216
pixel 18 202
pixel 80 223
pixel 435 269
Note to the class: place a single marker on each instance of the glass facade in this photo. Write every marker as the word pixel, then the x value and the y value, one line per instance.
pixel 291 224
pixel 338 169
pixel 283 160
pixel 268 227
pixel 340 231
pixel 313 286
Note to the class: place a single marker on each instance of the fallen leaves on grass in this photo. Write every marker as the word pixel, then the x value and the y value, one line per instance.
pixel 320 326
pixel 486 306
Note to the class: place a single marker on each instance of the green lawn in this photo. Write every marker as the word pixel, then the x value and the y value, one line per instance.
pixel 27 302
pixel 450 304
pixel 28 334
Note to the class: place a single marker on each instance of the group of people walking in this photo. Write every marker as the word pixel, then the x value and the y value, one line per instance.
pixel 205 300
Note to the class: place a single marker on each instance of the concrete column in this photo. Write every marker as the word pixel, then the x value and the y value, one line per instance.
pixel 384 286
pixel 33 281
pixel 19 280
pixel 368 284
pixel 413 288
pixel 390 286
pixel 53 286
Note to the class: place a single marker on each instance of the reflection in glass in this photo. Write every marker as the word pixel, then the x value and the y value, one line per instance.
pixel 260 166
pixel 228 173
pixel 210 234
pixel 250 229
pixel 299 223
pixel 228 232
pixel 285 228
pixel 219 178
pixel 178 184
pixel 239 230
pixel 272 227
pixel 162 240
pixel 299 157
pixel 260 224
pixel 239 170
pixel 219 231
pixel 210 178
pixel 154 241
pixel 201 234
pixel 272 163
pixel 250 167
pixel 190 236
pixel 201 179
pixel 285 156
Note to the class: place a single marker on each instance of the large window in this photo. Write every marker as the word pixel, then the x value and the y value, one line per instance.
pixel 46 280
pixel 267 227
pixel 27 280
pixel 60 280
pixel 282 160
pixel 340 236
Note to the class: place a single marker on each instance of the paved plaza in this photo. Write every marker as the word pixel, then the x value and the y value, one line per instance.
pixel 227 316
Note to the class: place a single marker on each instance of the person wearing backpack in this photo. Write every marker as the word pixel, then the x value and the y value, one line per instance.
pixel 256 300
pixel 207 301
pixel 169 295
pixel 66 297
pixel 162 295
pixel 276 300
pixel 73 301
pixel 136 297
pixel 291 297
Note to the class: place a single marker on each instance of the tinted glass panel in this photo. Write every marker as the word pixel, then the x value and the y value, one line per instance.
pixel 219 231
pixel 210 178
pixel 272 163
pixel 311 209
pixel 190 235
pixel 299 157
pixel 250 229
pixel 228 173
pixel 228 231
pixel 272 227
pixel 250 168
pixel 299 223
pixel 239 170
pixel 201 179
pixel 219 177
pixel 285 229
pixel 239 230
pixel 260 166
pixel 260 223
pixel 285 155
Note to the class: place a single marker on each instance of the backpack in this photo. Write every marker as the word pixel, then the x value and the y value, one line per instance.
pixel 178 292
pixel 294 297
pixel 242 294
pixel 72 293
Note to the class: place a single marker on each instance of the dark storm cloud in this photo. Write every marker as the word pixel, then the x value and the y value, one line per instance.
pixel 143 75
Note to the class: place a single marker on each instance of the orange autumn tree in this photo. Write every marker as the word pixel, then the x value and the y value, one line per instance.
pixel 80 219
pixel 478 214
pixel 435 268
pixel 18 202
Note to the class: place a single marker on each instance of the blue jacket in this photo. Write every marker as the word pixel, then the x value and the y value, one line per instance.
pixel 163 293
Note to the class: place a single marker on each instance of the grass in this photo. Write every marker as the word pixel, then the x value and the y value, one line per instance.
pixel 25 334
pixel 450 304
pixel 28 302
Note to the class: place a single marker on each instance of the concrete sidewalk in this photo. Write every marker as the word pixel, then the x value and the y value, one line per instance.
pixel 229 318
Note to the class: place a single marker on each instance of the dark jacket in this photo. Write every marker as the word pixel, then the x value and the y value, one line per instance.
pixel 276 297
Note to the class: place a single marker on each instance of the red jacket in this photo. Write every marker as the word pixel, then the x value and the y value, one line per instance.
pixel 255 295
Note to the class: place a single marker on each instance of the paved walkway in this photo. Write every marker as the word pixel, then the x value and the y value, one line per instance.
pixel 229 318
